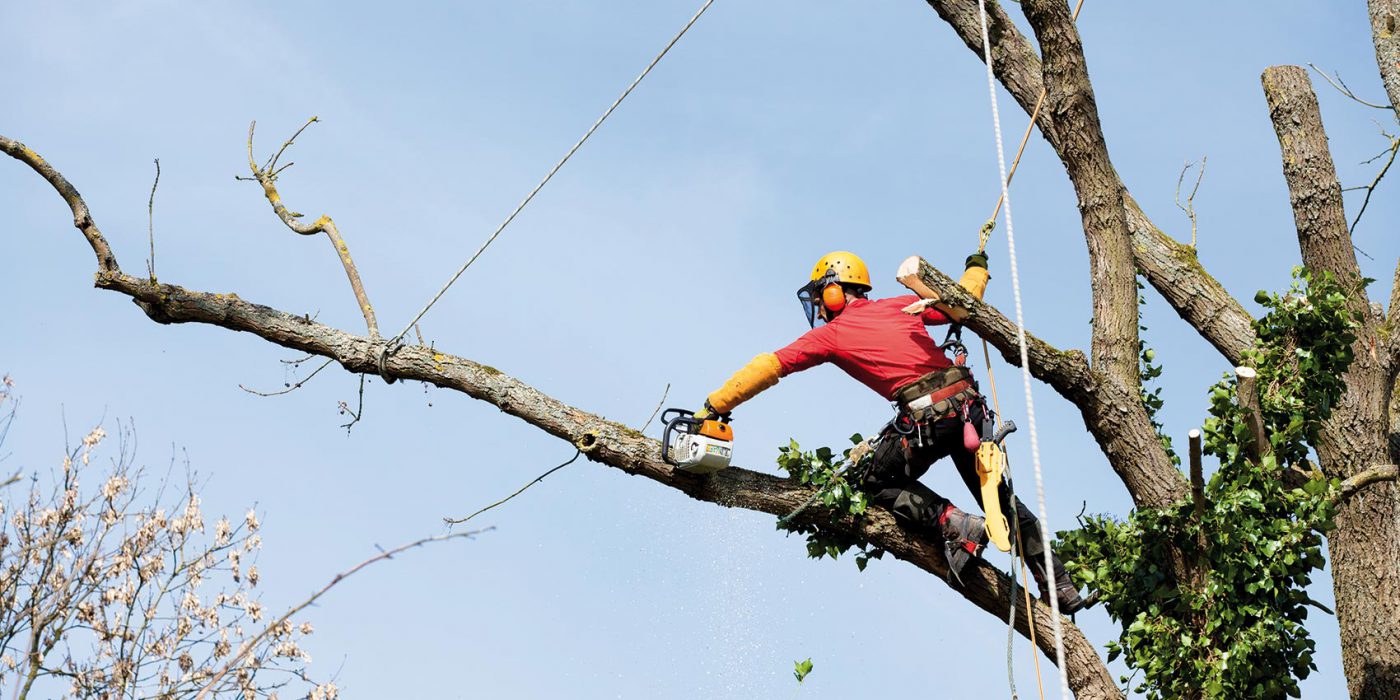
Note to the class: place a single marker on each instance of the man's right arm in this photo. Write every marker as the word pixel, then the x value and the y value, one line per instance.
pixel 763 371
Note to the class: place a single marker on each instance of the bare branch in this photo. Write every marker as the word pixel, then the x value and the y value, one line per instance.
pixel 151 224
pixel 292 387
pixel 666 392
pixel 1341 87
pixel 267 177
pixel 238 658
pixel 1371 188
pixel 1190 207
pixel 536 480
pixel 82 219
pixel 359 411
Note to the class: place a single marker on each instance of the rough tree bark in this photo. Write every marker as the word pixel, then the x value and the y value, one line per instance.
pixel 1170 267
pixel 1365 570
pixel 1385 33
pixel 601 440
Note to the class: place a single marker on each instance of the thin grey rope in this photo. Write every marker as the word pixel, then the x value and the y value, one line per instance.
pixel 395 340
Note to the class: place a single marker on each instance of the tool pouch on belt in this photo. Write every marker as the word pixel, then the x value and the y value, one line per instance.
pixel 938 394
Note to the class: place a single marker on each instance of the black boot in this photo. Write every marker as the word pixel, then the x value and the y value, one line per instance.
pixel 964 535
pixel 1065 590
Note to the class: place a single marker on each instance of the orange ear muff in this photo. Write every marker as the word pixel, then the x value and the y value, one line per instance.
pixel 833 297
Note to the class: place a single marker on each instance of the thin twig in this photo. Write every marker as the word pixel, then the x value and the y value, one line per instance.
pixel 664 394
pixel 1190 207
pixel 1342 88
pixel 151 224
pixel 358 412
pixel 538 479
pixel 275 624
pixel 272 162
pixel 1371 188
pixel 291 388
pixel 12 480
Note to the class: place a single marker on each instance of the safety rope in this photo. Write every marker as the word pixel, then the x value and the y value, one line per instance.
pixel 1025 362
pixel 393 342
pixel 1018 557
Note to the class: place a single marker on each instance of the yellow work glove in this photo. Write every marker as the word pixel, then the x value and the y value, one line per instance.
pixel 760 373
pixel 975 276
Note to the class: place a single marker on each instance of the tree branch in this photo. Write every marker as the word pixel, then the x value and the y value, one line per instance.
pixel 1313 189
pixel 601 440
pixel 1247 394
pixel 1112 412
pixel 1170 267
pixel 82 219
pixel 1084 153
pixel 1385 33
pixel 267 177
pixel 1349 487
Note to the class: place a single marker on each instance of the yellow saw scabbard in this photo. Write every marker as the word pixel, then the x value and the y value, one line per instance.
pixel 991 463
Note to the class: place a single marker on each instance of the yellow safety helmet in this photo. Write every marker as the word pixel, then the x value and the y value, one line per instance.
pixel 824 289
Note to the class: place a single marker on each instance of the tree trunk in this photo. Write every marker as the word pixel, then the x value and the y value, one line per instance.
pixel 1364 546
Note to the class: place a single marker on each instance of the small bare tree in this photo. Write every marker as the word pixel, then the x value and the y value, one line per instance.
pixel 110 592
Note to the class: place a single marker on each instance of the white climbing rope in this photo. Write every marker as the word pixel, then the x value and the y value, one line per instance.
pixel 392 342
pixel 1025 362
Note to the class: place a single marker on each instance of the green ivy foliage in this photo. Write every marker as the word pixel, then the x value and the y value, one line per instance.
pixel 1216 604
pixel 844 503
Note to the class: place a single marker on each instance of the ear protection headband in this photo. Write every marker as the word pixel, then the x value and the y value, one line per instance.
pixel 833 295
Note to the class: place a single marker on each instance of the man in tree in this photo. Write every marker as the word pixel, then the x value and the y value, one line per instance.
pixel 883 344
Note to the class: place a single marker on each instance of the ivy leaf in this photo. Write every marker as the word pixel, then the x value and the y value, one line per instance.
pixel 800 669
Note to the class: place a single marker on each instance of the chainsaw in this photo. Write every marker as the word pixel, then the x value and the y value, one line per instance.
pixel 694 445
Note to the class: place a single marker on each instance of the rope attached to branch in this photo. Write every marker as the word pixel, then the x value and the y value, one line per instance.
pixel 395 340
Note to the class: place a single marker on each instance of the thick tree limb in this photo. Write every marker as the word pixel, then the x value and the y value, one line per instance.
pixel 603 441
pixel 1084 153
pixel 1313 188
pixel 1385 33
pixel 1112 412
pixel 1170 267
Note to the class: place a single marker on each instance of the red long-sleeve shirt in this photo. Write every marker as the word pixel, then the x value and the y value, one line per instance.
pixel 874 341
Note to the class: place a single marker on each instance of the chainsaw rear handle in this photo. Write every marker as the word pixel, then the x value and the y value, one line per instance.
pixel 1006 428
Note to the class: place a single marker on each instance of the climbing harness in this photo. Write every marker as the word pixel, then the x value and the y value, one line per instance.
pixel 394 342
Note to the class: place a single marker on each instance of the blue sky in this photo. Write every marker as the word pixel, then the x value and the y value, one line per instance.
pixel 667 251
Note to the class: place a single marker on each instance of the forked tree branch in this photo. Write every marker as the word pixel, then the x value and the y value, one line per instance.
pixel 267 177
pixel 601 440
